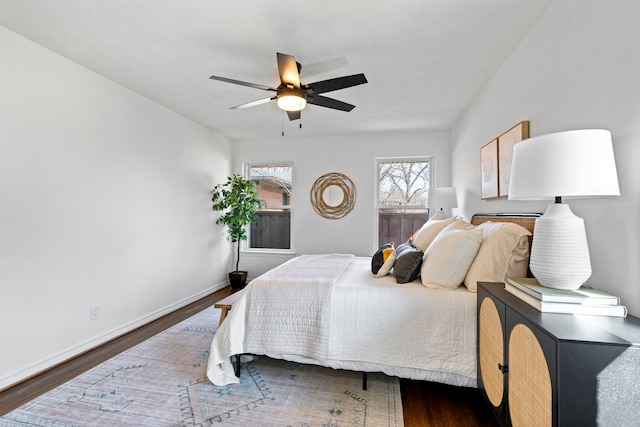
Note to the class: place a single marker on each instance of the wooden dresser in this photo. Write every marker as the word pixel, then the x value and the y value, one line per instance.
pixel 544 369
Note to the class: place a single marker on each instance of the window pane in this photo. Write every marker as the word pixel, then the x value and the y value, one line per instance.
pixel 274 183
pixel 403 186
pixel 398 227
pixel 403 183
pixel 272 228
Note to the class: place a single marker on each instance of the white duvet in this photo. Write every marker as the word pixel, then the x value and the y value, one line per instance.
pixel 364 324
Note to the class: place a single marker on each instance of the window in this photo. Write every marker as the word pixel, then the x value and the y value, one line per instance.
pixel 403 185
pixel 272 228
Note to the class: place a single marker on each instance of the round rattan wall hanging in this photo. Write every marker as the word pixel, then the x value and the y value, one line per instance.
pixel 333 195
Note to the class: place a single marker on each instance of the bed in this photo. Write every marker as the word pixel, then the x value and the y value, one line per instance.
pixel 332 310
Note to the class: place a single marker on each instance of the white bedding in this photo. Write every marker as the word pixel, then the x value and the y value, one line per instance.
pixel 290 310
pixel 374 325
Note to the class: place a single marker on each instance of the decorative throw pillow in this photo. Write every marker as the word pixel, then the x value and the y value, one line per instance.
pixel 423 237
pixel 387 266
pixel 449 256
pixel 408 261
pixel 378 258
pixel 504 253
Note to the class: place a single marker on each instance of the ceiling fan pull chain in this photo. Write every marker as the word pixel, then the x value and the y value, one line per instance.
pixel 283 113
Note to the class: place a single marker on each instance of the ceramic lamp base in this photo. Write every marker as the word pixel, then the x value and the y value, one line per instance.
pixel 560 253
pixel 439 214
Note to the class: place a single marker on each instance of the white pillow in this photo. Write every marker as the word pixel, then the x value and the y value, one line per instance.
pixel 460 224
pixel 387 266
pixel 449 256
pixel 423 237
pixel 504 253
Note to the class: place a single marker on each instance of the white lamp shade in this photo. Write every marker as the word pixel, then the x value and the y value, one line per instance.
pixel 442 197
pixel 572 164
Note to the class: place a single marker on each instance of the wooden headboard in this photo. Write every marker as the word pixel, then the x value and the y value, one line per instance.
pixel 527 220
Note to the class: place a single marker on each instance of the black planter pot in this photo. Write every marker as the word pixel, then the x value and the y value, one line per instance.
pixel 238 279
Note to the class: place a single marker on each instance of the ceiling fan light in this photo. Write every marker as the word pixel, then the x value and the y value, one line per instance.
pixel 291 102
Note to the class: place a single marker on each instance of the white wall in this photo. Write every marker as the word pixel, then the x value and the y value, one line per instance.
pixel 104 199
pixel 577 68
pixel 352 155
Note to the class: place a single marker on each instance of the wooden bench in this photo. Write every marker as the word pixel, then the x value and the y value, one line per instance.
pixel 225 305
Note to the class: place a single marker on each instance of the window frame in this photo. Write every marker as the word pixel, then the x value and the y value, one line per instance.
pixel 380 208
pixel 244 247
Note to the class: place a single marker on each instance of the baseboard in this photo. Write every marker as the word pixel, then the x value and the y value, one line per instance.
pixel 50 362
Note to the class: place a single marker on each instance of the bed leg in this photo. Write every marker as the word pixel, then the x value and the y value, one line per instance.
pixel 364 381
pixel 236 368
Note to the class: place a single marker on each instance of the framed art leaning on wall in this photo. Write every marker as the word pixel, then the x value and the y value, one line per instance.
pixel 495 158
pixel 506 141
pixel 489 170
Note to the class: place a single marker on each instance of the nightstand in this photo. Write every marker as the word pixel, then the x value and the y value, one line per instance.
pixel 547 369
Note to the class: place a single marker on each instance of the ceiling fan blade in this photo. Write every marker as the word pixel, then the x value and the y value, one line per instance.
pixel 288 70
pixel 238 82
pixel 252 103
pixel 323 101
pixel 293 115
pixel 336 84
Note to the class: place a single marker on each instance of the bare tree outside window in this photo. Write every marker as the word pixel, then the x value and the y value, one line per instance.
pixel 403 183
pixel 403 186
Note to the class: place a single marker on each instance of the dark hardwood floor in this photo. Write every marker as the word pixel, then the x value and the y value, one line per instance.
pixel 423 403
pixel 426 404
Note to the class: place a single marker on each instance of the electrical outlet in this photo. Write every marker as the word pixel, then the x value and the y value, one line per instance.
pixel 94 312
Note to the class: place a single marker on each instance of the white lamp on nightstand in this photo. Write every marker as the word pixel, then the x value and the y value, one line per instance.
pixel 442 197
pixel 572 164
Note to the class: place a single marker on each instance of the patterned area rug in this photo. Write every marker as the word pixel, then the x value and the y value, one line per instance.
pixel 162 382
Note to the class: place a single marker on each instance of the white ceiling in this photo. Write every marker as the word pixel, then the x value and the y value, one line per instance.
pixel 425 60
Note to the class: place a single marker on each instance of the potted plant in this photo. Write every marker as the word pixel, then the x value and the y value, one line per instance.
pixel 238 200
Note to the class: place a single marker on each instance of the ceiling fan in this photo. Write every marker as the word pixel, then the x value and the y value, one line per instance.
pixel 292 96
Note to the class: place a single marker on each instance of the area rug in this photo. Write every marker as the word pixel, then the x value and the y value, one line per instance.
pixel 162 382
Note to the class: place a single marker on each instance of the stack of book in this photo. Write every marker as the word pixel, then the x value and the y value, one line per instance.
pixel 580 301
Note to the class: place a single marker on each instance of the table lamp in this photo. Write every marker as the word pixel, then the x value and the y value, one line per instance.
pixel 442 197
pixel 572 164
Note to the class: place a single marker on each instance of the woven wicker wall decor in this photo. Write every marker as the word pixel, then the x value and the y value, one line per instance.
pixel 331 183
